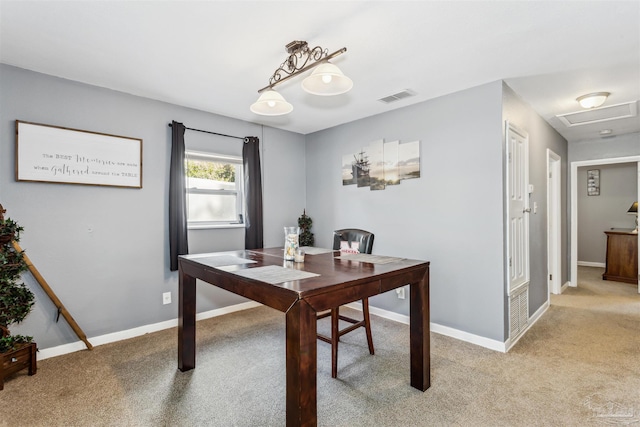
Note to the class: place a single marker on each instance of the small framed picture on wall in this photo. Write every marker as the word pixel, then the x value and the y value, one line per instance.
pixel 593 182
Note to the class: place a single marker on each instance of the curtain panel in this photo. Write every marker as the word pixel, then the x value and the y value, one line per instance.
pixel 253 238
pixel 178 244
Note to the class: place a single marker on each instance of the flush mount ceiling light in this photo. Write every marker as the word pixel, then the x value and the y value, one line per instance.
pixel 592 100
pixel 325 80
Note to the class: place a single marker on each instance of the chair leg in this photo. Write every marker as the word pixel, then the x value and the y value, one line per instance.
pixel 335 337
pixel 367 323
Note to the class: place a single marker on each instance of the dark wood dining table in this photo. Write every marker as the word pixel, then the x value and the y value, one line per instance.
pixel 335 280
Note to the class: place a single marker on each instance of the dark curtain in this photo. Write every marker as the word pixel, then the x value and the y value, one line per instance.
pixel 178 244
pixel 252 193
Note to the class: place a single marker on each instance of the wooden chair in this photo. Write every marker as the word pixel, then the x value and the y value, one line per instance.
pixel 365 241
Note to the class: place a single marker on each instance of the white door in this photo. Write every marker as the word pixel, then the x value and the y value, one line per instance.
pixel 554 242
pixel 518 206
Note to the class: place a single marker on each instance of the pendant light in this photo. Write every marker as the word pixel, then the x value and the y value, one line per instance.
pixel 271 103
pixel 326 80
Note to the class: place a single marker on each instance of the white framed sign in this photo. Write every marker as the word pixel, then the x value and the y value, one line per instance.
pixel 55 154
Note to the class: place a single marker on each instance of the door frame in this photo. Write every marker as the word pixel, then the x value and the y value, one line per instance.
pixel 554 222
pixel 574 204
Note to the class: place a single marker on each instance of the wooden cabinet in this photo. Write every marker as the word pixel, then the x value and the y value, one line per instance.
pixel 622 256
pixel 16 360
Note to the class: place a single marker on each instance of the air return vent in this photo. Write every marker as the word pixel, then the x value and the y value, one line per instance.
pixel 397 96
pixel 518 312
pixel 596 115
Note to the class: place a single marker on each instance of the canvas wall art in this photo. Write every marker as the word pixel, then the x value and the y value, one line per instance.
pixel 382 164
pixel 54 154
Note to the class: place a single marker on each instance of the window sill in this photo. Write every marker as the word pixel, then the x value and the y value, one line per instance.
pixel 212 226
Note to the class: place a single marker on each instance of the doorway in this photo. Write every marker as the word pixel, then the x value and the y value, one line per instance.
pixel 574 204
pixel 554 221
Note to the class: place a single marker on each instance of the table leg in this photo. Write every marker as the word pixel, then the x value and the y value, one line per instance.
pixel 301 365
pixel 420 340
pixel 186 323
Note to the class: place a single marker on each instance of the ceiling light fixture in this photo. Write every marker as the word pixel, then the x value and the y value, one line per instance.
pixel 325 80
pixel 271 103
pixel 592 100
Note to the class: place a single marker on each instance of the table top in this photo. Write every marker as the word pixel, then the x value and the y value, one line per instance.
pixel 321 273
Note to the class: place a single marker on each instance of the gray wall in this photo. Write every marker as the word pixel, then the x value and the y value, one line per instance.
pixel 104 250
pixel 541 137
pixel 284 183
pixel 451 216
pixel 111 278
pixel 596 214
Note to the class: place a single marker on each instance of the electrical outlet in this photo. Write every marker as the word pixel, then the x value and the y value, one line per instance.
pixel 166 298
pixel 400 292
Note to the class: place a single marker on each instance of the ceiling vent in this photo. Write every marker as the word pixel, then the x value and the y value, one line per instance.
pixel 596 115
pixel 397 96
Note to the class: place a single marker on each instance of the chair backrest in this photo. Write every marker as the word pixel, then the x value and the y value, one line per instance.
pixel 364 238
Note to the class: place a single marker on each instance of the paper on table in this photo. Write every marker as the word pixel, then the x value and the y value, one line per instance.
pixel 222 260
pixel 312 250
pixel 274 274
pixel 373 259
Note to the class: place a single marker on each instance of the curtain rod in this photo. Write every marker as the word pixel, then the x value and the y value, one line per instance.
pixel 214 133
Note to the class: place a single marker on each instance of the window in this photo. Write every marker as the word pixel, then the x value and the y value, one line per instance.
pixel 214 189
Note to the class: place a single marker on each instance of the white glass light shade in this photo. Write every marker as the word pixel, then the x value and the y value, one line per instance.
pixel 326 80
pixel 592 100
pixel 271 103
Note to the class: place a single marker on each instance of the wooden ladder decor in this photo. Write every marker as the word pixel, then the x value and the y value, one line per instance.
pixel 61 308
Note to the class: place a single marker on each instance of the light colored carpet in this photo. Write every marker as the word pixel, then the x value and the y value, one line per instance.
pixel 578 365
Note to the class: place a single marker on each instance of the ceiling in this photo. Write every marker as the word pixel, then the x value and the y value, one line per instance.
pixel 215 55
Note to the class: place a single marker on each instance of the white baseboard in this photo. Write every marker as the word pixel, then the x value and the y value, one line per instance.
pixel 468 337
pixel 532 320
pixel 591 264
pixel 226 310
pixel 437 328
pixel 565 286
pixel 136 332
pixel 400 318
pixel 60 350
pixel 385 314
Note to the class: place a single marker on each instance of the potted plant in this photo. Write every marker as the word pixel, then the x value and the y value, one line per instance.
pixel 16 302
pixel 8 229
pixel 306 236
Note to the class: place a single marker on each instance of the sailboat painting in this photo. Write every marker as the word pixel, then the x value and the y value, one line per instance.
pixel 391 163
pixel 376 161
pixel 382 164
pixel 361 167
pixel 409 160
pixel 348 177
